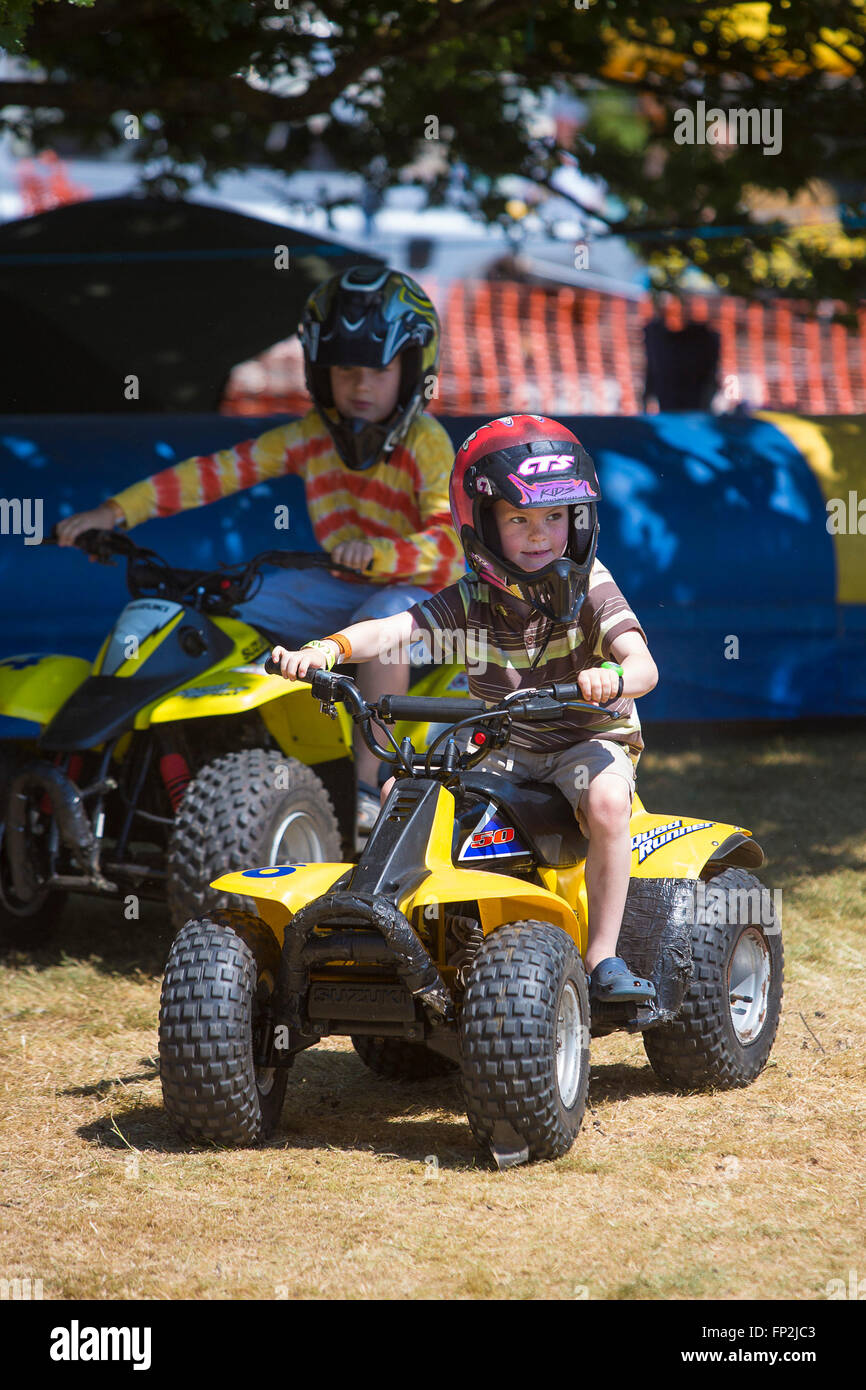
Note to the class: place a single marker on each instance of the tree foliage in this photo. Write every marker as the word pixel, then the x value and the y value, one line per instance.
pixel 411 89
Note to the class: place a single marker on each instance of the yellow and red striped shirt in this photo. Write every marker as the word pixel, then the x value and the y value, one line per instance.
pixel 400 506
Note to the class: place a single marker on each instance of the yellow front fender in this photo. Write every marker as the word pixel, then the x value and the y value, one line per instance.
pixel 280 890
pixel 500 899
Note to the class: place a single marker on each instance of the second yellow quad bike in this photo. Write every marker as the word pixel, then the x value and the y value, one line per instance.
pixel 456 943
pixel 170 758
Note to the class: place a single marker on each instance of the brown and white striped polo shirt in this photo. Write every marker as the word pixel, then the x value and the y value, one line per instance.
pixel 502 638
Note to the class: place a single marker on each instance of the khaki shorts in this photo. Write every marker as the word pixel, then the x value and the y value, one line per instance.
pixel 570 769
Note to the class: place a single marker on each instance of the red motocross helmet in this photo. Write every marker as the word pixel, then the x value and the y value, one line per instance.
pixel 527 461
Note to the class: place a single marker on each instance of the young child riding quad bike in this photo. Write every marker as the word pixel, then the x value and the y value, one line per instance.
pixel 375 472
pixel 459 938
pixel 541 608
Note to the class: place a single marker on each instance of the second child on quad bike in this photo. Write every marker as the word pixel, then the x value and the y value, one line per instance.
pixel 541 608
pixel 375 471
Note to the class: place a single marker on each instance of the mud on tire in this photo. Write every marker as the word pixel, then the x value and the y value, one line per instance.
pixel 724 1032
pixel 398 1060
pixel 219 972
pixel 525 1039
pixel 235 815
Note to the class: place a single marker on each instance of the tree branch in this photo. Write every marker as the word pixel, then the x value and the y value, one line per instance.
pixel 234 94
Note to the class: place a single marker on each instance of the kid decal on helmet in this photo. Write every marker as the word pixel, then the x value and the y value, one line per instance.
pixel 527 461
pixel 364 318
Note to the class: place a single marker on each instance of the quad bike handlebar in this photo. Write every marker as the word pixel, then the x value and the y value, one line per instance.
pixel 537 704
pixel 149 575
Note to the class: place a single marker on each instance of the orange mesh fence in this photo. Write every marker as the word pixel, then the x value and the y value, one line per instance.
pixel 508 346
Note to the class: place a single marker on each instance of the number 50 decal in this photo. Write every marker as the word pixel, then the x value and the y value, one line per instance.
pixel 492 837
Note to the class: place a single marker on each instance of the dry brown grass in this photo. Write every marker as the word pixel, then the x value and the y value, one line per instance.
pixel 746 1194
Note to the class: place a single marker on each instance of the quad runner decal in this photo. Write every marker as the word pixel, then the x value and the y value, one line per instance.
pixel 648 841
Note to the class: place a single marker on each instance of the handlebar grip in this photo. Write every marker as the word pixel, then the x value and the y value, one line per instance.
pixel 568 690
pixel 271 667
pixel 435 709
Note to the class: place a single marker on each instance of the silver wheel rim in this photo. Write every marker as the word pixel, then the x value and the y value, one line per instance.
pixel 568 1045
pixel 296 840
pixel 749 984
pixel 265 1076
pixel 7 899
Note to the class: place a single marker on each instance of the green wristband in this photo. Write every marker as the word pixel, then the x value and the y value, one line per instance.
pixel 614 666
pixel 325 647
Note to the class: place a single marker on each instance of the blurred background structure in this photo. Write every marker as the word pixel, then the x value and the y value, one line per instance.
pixel 544 227
pixel 520 331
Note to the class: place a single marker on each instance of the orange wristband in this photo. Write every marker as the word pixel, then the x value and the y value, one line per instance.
pixel 343 643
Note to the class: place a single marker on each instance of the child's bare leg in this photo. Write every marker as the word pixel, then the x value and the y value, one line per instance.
pixel 606 808
pixel 374 679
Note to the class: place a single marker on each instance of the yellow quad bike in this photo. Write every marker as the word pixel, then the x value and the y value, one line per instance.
pixel 172 757
pixel 456 943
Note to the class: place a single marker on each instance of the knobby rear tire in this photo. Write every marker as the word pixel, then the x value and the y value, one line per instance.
pixel 702 1047
pixel 230 818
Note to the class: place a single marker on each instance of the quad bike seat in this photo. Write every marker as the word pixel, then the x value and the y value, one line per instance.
pixel 541 815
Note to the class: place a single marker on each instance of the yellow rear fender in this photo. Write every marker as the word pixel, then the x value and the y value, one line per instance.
pixel 35 687
pixel 681 846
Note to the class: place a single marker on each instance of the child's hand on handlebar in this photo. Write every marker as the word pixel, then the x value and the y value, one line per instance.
pixel 103 518
pixel 597 685
pixel 295 665
pixel 355 555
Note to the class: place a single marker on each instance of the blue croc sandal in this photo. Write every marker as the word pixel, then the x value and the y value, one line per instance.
pixel 611 982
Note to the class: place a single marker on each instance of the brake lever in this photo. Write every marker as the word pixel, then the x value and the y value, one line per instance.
pixel 101 557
